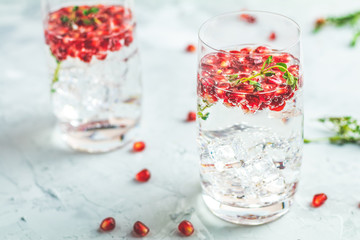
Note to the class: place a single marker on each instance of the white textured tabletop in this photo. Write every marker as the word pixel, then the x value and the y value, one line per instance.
pixel 48 191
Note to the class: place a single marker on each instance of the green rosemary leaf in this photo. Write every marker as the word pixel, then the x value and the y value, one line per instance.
pixel 256 85
pixel 282 65
pixel 355 38
pixel 267 62
pixel 87 21
pixel 94 10
pixel 75 8
pixel 269 74
pixel 64 19
pixel 233 77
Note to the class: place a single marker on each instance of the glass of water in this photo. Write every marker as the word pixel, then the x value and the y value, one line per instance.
pixel 95 80
pixel 250 115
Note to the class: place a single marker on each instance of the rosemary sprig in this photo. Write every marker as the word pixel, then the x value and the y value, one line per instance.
pixel 347 130
pixel 56 75
pixel 351 20
pixel 266 72
pixel 201 109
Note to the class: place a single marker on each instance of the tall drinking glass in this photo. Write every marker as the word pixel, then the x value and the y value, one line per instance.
pixel 250 115
pixel 94 71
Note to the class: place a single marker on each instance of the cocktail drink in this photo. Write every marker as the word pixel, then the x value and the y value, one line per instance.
pixel 250 115
pixel 94 71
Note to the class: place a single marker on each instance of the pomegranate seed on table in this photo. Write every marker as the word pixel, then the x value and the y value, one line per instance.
pixel 191 117
pixel 143 175
pixel 319 199
pixel 108 224
pixel 138 146
pixel 272 36
pixel 190 48
pixel 141 229
pixel 186 228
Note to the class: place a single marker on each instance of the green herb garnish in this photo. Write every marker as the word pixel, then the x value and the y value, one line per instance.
pixel 201 109
pixel 75 8
pixel 347 20
pixel 87 21
pixel 64 19
pixel 266 72
pixel 56 75
pixel 347 130
pixel 91 10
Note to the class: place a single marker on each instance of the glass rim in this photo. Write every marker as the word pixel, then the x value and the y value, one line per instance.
pixel 201 29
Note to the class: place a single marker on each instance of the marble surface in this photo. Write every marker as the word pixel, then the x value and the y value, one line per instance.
pixel 47 191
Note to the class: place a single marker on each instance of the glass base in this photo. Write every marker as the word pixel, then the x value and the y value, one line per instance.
pixel 98 137
pixel 247 216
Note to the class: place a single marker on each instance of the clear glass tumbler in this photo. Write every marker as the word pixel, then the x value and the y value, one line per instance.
pixel 94 71
pixel 250 115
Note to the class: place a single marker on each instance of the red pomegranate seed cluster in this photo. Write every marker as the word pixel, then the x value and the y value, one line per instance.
pixel 108 224
pixel 186 228
pixel 88 31
pixel 217 69
pixel 318 200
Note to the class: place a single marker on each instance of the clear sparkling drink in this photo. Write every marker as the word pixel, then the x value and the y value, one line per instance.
pixel 95 75
pixel 250 119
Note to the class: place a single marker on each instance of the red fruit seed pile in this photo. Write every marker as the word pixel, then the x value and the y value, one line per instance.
pixel 143 176
pixel 88 31
pixel 141 229
pixel 138 146
pixel 218 71
pixel 191 117
pixel 108 224
pixel 186 228
pixel 318 200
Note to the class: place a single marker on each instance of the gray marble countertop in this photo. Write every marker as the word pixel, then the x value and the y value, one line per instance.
pixel 47 191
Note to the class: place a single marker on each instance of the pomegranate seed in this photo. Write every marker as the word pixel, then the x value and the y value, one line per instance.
pixel 248 18
pixel 186 228
pixel 272 36
pixel 101 56
pixel 320 22
pixel 141 229
pixel 108 224
pixel 262 50
pixel 245 51
pixel 277 108
pixel 86 57
pixel 190 48
pixel 138 146
pixel 191 117
pixel 128 40
pixel 143 176
pixel 319 200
